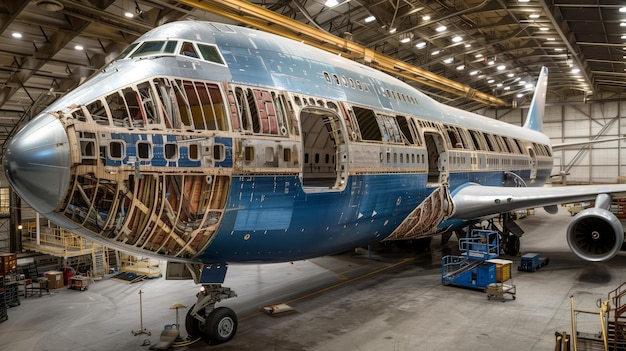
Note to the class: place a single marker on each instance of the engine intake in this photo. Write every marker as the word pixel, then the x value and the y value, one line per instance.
pixel 595 234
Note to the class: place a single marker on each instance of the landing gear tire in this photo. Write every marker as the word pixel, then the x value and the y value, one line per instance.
pixel 193 326
pixel 512 246
pixel 221 325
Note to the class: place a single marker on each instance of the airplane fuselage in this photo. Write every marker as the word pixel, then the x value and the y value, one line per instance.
pixel 213 143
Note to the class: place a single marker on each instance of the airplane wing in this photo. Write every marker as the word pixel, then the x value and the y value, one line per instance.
pixel 476 201
pixel 594 234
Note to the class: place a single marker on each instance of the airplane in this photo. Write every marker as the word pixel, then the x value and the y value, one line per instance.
pixel 207 144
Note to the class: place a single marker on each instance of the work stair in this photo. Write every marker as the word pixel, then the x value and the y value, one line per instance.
pixel 616 329
pixel 471 269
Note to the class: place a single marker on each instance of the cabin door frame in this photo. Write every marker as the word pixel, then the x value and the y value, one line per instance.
pixel 437 155
pixel 533 163
pixel 324 150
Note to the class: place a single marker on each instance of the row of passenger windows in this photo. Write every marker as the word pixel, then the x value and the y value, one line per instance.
pixel 144 151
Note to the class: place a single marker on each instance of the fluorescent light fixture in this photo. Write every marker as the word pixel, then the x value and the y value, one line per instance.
pixel 558 49
pixel 499 85
pixel 331 3
pixel 448 60
pixel 426 18
pixel 441 28
pixel 369 19
pixel 519 95
pixel 534 16
pixel 622 24
pixel 78 47
pixel 522 82
pixel 478 55
pixel 501 67
pixel 16 35
pixel 457 39
pixel 490 81
pixel 393 30
pixel 575 70
pixel 491 62
pixel 550 39
pixel 405 40
pixel 511 75
pixel 507 88
pixel 528 86
pixel 128 14
pixel 420 45
pixel 460 67
pixel 436 52
pixel 622 9
pixel 623 36
pixel 473 73
pixel 468 45
pixel 544 29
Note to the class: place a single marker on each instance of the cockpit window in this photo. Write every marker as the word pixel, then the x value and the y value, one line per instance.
pixel 188 50
pixel 210 53
pixel 127 51
pixel 153 47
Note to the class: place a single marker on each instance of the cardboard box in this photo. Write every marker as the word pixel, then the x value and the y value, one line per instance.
pixel 55 279
pixel 503 269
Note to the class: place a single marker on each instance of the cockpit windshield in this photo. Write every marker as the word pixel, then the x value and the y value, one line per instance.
pixel 154 47
pixel 200 51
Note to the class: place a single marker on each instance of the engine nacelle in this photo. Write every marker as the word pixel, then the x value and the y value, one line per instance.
pixel 595 234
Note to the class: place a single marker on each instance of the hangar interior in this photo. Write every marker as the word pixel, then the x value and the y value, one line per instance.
pixel 481 56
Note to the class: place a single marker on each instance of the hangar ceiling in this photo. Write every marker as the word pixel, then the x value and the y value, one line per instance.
pixel 466 53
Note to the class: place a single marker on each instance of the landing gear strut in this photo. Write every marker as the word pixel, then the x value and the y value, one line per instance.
pixel 214 325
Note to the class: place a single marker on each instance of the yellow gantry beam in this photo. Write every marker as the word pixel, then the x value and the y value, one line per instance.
pixel 261 18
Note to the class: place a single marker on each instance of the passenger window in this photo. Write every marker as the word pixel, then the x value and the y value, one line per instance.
pixel 248 153
pixel 144 150
pixel 171 152
pixel 116 150
pixel 218 152
pixel 194 152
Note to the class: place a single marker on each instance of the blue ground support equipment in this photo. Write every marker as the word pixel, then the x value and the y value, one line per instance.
pixel 531 262
pixel 471 269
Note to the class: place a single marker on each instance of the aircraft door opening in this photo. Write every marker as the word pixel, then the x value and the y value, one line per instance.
pixel 325 155
pixel 533 163
pixel 437 158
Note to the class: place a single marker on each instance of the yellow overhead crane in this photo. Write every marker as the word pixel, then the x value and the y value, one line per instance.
pixel 266 20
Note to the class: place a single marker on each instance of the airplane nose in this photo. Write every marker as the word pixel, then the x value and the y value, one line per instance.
pixel 37 163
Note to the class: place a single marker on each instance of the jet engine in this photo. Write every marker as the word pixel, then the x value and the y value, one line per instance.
pixel 595 234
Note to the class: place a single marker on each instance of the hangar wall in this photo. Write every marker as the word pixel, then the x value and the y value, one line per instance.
pixel 576 122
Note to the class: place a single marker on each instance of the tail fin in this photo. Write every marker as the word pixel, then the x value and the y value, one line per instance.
pixel 534 119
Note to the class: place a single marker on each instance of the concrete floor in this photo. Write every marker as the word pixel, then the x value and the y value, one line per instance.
pixel 392 301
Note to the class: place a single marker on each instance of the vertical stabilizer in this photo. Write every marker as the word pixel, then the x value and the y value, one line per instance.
pixel 534 120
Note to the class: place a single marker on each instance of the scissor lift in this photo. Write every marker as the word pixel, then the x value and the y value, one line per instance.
pixel 471 269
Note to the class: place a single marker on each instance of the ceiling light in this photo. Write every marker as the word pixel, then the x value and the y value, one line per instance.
pixel 473 73
pixel 478 55
pixel 490 81
pixel 622 24
pixel 436 52
pixel 507 88
pixel 128 14
pixel 331 3
pixel 405 40
pixel 78 47
pixel 491 62
pixel 558 49
pixel 448 60
pixel 426 18
pixel 528 86
pixel 460 67
pixel 519 95
pixel 522 82
pixel 523 0
pixel 622 9
pixel 369 19
pixel 457 39
pixel 16 35
pixel 441 28
pixel 534 16
pixel 544 29
pixel 623 37
pixel 468 45
pixel 501 67
pixel 511 75
pixel 392 30
pixel 420 45
pixel 575 70
pixel 550 39
pixel 499 85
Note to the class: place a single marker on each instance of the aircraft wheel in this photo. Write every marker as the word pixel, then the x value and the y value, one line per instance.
pixel 192 325
pixel 221 325
pixel 512 245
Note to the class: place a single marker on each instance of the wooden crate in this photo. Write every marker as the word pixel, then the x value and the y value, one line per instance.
pixel 8 263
